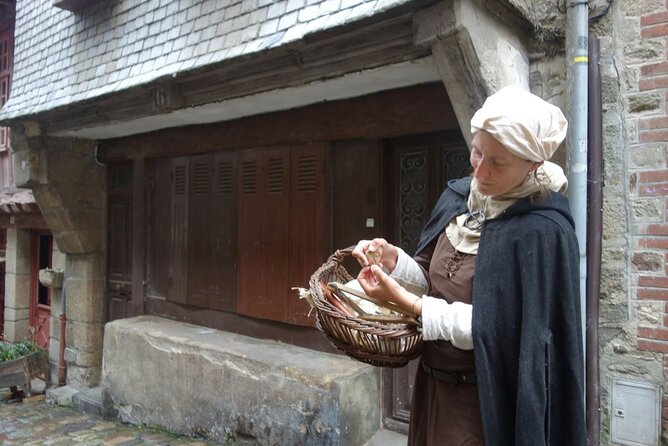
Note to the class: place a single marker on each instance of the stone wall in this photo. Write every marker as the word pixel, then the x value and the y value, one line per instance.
pixel 69 187
pixel 234 389
pixel 17 286
pixel 633 282
pixel 639 348
pixel 633 328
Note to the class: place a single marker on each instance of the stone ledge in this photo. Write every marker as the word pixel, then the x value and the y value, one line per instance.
pixel 197 381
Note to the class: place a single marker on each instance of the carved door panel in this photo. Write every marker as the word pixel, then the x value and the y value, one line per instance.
pixel 418 170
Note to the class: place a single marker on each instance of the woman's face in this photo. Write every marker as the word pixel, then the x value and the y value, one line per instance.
pixel 495 168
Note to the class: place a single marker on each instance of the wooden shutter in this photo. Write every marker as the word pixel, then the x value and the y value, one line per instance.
pixel 179 232
pixel 199 257
pixel 211 232
pixel 307 223
pixel 159 230
pixel 224 210
pixel 262 280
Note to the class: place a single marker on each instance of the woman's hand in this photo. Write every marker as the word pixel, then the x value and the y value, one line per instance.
pixel 379 285
pixel 376 252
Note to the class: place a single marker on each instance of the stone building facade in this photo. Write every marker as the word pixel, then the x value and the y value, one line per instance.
pixel 127 83
pixel 25 241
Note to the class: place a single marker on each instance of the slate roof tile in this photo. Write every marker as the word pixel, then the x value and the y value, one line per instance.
pixel 125 43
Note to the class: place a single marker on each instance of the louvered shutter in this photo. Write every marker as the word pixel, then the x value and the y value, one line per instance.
pixel 307 223
pixel 200 228
pixel 178 259
pixel 212 231
pixel 159 231
pixel 224 245
pixel 262 279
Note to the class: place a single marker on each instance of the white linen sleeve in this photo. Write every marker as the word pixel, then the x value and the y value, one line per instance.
pixel 409 274
pixel 451 322
pixel 440 320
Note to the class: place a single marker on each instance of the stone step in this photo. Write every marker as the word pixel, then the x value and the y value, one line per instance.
pixel 90 401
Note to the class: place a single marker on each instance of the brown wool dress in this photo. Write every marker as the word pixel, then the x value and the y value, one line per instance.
pixel 446 414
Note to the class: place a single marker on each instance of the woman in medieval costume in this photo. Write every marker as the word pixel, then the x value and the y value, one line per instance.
pixel 497 264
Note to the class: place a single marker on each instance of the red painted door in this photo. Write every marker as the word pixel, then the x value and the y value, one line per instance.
pixel 40 296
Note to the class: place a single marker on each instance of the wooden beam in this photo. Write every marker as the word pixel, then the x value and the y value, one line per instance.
pixel 366 44
pixel 412 110
pixel 22 221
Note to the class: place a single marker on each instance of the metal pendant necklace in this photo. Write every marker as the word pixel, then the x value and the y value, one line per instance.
pixel 475 219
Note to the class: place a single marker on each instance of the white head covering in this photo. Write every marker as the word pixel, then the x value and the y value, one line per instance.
pixel 529 128
pixel 525 124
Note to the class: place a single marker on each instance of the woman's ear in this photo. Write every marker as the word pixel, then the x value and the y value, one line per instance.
pixel 536 165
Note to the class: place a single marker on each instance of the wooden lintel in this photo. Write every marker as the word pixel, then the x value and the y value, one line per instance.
pixel 412 110
pixel 23 221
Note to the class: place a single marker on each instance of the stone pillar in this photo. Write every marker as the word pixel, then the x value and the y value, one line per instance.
pixel 478 49
pixel 85 317
pixel 17 286
pixel 68 186
pixel 58 263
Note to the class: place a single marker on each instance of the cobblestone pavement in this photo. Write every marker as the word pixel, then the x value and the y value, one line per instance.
pixel 34 422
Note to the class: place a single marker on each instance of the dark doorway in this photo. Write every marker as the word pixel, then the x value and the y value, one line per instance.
pixel 417 169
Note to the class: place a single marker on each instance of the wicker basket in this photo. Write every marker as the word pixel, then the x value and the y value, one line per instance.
pixel 380 344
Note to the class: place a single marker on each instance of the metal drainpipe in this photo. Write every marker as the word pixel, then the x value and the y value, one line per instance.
pixel 61 345
pixel 594 236
pixel 577 17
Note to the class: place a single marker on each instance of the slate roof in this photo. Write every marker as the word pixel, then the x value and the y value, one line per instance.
pixel 63 58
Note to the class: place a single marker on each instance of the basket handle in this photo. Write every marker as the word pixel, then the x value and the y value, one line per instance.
pixel 340 254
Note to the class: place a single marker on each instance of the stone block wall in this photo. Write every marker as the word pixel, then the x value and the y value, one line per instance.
pixel 633 301
pixel 234 389
pixel 68 186
pixel 648 183
pixel 17 286
pixel 633 328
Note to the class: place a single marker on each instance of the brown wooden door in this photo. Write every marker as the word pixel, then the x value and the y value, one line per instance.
pixel 119 262
pixel 357 195
pixel 418 169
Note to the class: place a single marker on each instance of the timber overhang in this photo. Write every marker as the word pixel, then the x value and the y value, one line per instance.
pixel 376 41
